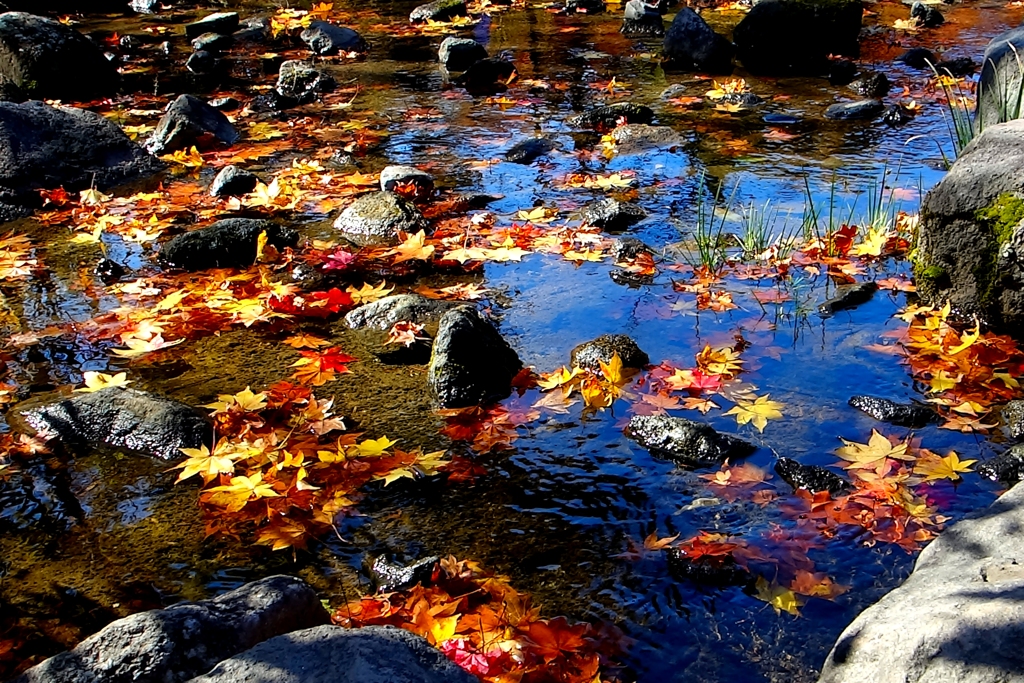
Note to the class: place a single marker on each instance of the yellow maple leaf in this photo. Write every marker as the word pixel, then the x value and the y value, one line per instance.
pixel 757 412
pixel 413 249
pixel 873 244
pixel 244 400
pixel 612 370
pixel 779 597
pixel 933 468
pixel 209 465
pixel 943 381
pixel 372 448
pixel 93 197
pixel 368 293
pixel 503 254
pixel 233 497
pixel 188 159
pixel 94 381
pixel 872 454
pixel 723 361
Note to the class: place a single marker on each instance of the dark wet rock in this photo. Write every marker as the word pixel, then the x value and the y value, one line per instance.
pixel 253 30
pixel 1001 80
pixel 377 218
pixel 810 477
pixel 122 418
pixel 393 176
pixel 487 76
pixel 1006 468
pixel 783 37
pixel 323 38
pixel 44 59
pixel 187 639
pixel 471 363
pixel 688 443
pixel 145 6
pixel 528 151
pixel 188 119
pixel 673 91
pixel 129 43
pixel 109 271
pixel 228 243
pixel 224 103
pixel 202 63
pixel 855 111
pixel 902 414
pixel 232 182
pixel 640 19
pixel 44 147
pixel 389 577
pixel 848 296
pixel 720 572
pixel 383 313
pixel 458 54
pixel 957 617
pixel 691 44
pixel 841 71
pixel 926 15
pixel 897 115
pixel 612 115
pixel 918 58
pixel 871 85
pixel 970 248
pixel 630 279
pixel 781 120
pixel 747 100
pixel 958 68
pixel 438 10
pixel 611 214
pixel 332 654
pixel 634 138
pixel 221 22
pixel 302 82
pixel 212 42
pixel 628 248
pixel 1013 418
pixel 589 355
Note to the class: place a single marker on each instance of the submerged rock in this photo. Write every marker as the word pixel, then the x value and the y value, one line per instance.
pixel 389 577
pixel 611 214
pixel 902 414
pixel 487 76
pixel 612 115
pixel 301 82
pixel 810 477
pixel 187 639
pixel 957 68
pixel 202 63
pixel 471 363
pixel 324 38
pixel 848 296
pixel 528 151
pixel 718 573
pixel 228 243
pixel 458 54
pixel 689 443
pixel 1007 467
pixel 438 10
pixel 377 218
pixel 187 120
pixel 1013 418
pixel 383 313
pixel 393 176
pixel 332 654
pixel 233 181
pixel 855 111
pixel 221 22
pixel 122 418
pixel 691 44
pixel 589 355
pixel 897 115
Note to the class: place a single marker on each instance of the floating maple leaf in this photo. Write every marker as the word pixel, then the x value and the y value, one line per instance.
pixel 934 468
pixel 94 381
pixel 872 454
pixel 756 412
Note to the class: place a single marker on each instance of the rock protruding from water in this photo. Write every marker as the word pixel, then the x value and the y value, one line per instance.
pixel 1013 418
pixel 628 248
pixel 383 313
pixel 233 181
pixel 848 296
pixel 926 15
pixel 187 639
pixel 688 443
pixel 860 110
pixel 1001 80
pixel 918 58
pixel 438 10
pixel 589 355
pixel 691 44
pixel 300 82
pixel 611 214
pixel 471 363
pixel 958 617
pixel 810 477
pixel 640 19
pixel 332 654
pixel 487 76
pixel 228 243
pixel 612 115
pixel 422 183
pixel 222 22
pixel 912 415
pixel 187 120
pixel 377 218
pixel 970 248
pixel 871 85
pixel 389 577
pixel 528 151
pixel 635 138
pixel 1007 467
pixel 791 37
pixel 212 42
pixel 43 59
pixel 458 54
pixel 323 38
pixel 44 147
pixel 122 418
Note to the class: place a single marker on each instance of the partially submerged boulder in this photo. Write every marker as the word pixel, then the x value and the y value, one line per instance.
pixel 186 122
pixel 634 138
pixel 383 313
pixel 1001 80
pixel 589 355
pixel 175 644
pixel 421 182
pixel 233 181
pixel 219 22
pixel 848 296
pixel 1007 467
pixel 813 478
pixel 324 38
pixel 377 218
pixel 300 82
pixel 389 577
pixel 438 10
pixel 122 418
pixel 689 443
pixel 528 151
pixel 691 44
pixel 609 116
pixel 611 214
pixel 228 243
pixel 861 110
pixel 470 363
pixel 1013 417
pixel 458 54
pixel 912 415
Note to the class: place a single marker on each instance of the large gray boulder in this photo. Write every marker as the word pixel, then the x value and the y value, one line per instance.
pixel 377 218
pixel 44 147
pixel 228 243
pixel 185 640
pixel 186 121
pixel 970 247
pixel 470 363
pixel 332 654
pixel 43 58
pixel 959 618
pixel 122 418
pixel 689 443
pixel 999 90
pixel 691 44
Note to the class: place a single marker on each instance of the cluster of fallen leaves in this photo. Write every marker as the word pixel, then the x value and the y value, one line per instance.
pixel 480 622
pixel 17 259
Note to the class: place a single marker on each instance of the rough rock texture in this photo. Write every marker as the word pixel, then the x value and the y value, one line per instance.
pixel 233 181
pixel 611 214
pixel 528 151
pixel 177 643
pixel 301 82
pixel 44 147
pixel 458 54
pixel 608 116
pixel 589 355
pixel 971 239
pixel 959 618
pixel 332 654
pixel 187 120
pixel 389 577
pixel 627 248
pixel 641 20
pixel 393 176
pixel 1000 83
pixel 634 138
pixel 383 313
pixel 855 111
pixel 470 363
pixel 438 10
pixel 810 477
pixel 871 85
pixel 1013 418
pixel 323 38
pixel 376 219
pixel 44 59
pixel 1007 467
pixel 926 15
pixel 902 414
pixel 202 62
pixel 848 296
pixel 689 443
pixel 122 418
pixel 212 42
pixel 228 243
pixel 691 44
pixel 779 37
pixel 221 22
